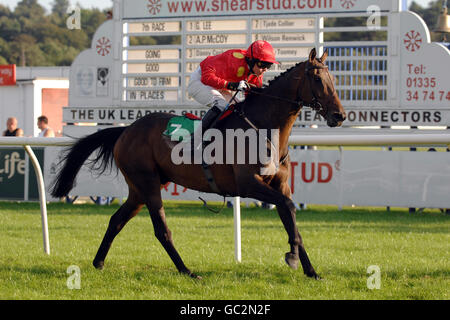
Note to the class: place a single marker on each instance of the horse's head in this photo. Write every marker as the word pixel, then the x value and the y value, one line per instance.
pixel 318 90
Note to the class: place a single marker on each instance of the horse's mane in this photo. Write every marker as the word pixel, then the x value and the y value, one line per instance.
pixel 276 79
pixel 254 92
pixel 283 74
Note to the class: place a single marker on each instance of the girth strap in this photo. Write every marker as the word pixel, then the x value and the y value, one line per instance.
pixel 209 177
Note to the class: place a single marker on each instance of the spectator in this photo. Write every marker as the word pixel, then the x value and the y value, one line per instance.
pixel 11 128
pixel 46 131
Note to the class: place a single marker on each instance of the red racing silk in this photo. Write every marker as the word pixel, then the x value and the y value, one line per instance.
pixel 230 66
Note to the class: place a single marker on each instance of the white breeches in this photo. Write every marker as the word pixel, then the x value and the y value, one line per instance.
pixel 207 95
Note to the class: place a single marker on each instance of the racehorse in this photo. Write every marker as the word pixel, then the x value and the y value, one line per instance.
pixel 143 155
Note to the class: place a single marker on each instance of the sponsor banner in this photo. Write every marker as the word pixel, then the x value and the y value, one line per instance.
pixel 364 178
pixel 17 178
pixel 133 9
pixel 372 178
pixel 122 115
pixel 424 65
pixel 110 183
pixel 7 75
pixel 383 117
pixel 355 117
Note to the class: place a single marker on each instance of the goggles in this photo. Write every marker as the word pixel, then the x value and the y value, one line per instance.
pixel 264 64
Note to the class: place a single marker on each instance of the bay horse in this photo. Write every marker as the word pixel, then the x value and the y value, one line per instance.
pixel 143 155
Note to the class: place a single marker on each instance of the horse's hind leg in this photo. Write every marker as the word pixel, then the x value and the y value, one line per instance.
pixel 162 232
pixel 125 213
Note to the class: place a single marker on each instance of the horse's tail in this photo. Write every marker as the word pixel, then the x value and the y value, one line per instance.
pixel 79 152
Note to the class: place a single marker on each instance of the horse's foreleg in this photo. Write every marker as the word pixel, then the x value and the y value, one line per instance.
pixel 289 222
pixel 163 234
pixel 280 196
pixel 125 213
pixel 286 210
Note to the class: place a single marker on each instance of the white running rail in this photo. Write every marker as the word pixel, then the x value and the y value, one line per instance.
pixel 362 139
pixel 26 143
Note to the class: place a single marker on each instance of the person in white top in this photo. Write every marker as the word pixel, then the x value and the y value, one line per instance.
pixel 46 131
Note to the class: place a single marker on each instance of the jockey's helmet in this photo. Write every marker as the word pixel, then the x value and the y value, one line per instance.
pixel 261 50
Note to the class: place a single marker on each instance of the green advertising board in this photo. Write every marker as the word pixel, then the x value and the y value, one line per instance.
pixel 14 176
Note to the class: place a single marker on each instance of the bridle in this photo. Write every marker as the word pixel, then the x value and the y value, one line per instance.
pixel 314 104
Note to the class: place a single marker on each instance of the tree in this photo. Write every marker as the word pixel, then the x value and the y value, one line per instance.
pixel 4 51
pixel 350 36
pixel 429 15
pixel 59 7
pixel 30 9
pixel 9 27
pixel 91 20
pixel 21 49
pixel 4 11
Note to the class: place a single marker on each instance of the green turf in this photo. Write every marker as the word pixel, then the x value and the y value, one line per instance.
pixel 411 250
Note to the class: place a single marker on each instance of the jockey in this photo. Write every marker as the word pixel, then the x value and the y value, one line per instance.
pixel 233 70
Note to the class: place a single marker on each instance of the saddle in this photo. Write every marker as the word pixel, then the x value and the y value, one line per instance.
pixel 182 128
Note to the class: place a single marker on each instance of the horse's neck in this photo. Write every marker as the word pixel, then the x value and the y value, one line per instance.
pixel 268 112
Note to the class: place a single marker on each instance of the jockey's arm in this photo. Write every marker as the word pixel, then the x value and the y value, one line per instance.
pixel 210 78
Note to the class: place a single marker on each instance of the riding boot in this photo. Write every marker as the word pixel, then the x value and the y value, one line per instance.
pixel 207 121
pixel 209 117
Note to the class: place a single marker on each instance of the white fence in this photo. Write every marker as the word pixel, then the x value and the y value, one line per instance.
pixel 26 143
pixel 311 139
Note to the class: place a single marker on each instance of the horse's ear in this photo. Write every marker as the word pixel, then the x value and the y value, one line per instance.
pixel 312 55
pixel 324 56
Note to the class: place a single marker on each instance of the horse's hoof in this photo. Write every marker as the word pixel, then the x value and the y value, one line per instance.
pixel 194 276
pixel 191 275
pixel 314 276
pixel 99 265
pixel 292 260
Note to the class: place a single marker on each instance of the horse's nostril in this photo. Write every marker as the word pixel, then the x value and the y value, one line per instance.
pixel 339 116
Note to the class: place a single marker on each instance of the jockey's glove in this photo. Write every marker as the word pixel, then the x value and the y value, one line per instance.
pixel 238 86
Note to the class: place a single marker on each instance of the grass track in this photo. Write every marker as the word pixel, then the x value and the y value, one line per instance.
pixel 411 250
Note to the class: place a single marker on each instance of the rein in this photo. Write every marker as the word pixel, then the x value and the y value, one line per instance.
pixel 269 142
pixel 242 115
pixel 314 104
